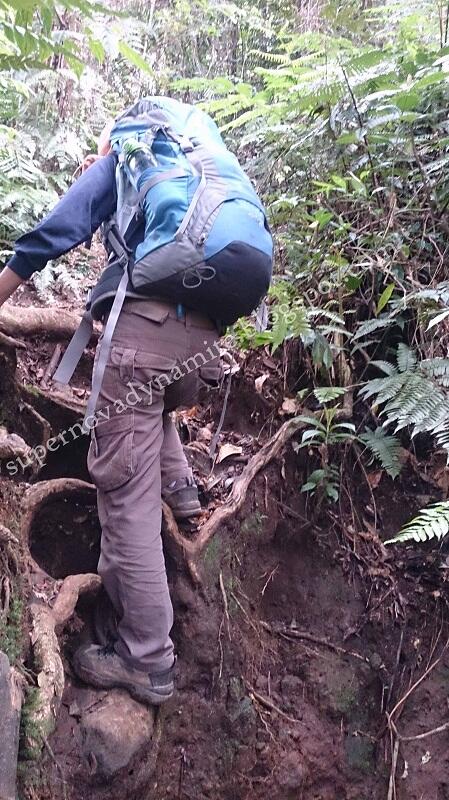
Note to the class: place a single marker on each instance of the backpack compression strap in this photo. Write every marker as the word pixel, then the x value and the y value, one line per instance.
pixel 104 348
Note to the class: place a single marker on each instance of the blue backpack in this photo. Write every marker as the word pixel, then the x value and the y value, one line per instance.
pixel 207 245
pixel 196 201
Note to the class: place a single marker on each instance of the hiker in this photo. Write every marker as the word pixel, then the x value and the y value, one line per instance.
pixel 189 251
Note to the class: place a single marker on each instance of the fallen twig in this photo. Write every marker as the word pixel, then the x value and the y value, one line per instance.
pixel 288 633
pixel 265 701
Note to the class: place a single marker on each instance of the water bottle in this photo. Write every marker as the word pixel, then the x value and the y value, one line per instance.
pixel 139 160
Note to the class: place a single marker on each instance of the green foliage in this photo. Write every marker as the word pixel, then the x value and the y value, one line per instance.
pixel 384 448
pixel 431 522
pixel 414 394
pixel 327 480
pixel 11 635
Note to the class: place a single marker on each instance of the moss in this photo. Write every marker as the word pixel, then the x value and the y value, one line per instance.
pixel 11 627
pixel 32 733
pixel 346 700
pixel 360 754
pixel 212 554
pixel 253 524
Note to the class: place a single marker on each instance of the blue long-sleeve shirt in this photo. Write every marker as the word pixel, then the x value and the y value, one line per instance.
pixel 90 201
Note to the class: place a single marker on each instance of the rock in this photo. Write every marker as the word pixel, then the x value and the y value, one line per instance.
pixel 12 445
pixel 292 772
pixel 10 707
pixel 113 731
pixel 375 660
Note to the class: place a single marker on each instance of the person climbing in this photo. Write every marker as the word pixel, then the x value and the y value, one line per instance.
pixel 189 251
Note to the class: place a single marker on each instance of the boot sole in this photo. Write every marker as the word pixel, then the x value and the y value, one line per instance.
pixel 185 512
pixel 147 696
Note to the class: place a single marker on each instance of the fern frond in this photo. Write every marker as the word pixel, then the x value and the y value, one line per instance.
pixel 365 328
pixel 384 388
pixel 431 522
pixel 406 358
pixel 385 448
pixel 437 368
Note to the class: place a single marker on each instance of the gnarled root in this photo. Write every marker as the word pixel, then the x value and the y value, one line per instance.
pixel 47 653
pixel 191 550
pixel 38 496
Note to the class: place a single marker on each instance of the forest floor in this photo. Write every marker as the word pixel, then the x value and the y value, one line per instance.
pixel 313 662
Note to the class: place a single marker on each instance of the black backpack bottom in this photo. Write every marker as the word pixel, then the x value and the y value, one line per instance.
pixel 229 286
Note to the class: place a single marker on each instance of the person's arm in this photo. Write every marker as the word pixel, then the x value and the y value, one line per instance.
pixel 90 201
pixel 9 282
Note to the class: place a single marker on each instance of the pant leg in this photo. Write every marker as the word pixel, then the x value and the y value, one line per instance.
pixel 125 464
pixel 174 464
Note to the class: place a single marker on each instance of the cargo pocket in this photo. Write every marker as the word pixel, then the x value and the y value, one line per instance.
pixel 211 375
pixel 111 461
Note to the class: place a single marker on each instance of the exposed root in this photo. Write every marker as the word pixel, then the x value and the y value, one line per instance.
pixel 47 653
pixel 191 550
pixel 72 588
pixel 55 323
pixel 58 398
pixel 12 446
pixel 9 341
pixel 39 494
pixel 270 450
pixel 39 421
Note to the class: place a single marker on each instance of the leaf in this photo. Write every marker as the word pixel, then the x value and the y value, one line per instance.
pixel 289 406
pixel 259 382
pixel 325 394
pixel 372 325
pixel 228 450
pixel 134 57
pixel 385 366
pixel 384 298
pixel 439 318
pixel 406 358
pixel 431 522
pixel 384 448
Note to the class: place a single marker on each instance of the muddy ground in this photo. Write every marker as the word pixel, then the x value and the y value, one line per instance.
pixel 312 664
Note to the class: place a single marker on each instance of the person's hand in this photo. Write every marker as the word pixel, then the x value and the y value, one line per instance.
pixel 9 282
pixel 89 160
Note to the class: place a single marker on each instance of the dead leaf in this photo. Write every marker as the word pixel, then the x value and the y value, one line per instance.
pixel 227 450
pixel 374 478
pixel 204 435
pixel 289 406
pixel 259 382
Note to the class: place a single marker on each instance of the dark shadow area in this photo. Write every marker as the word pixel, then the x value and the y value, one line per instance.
pixel 65 536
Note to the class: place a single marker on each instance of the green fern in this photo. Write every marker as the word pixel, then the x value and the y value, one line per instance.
pixel 385 448
pixel 414 394
pixel 431 522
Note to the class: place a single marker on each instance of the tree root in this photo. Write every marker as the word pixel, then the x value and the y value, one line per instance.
pixel 191 550
pixel 55 323
pixel 38 496
pixel 47 621
pixel 47 653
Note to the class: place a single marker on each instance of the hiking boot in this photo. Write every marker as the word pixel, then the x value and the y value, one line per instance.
pixel 104 668
pixel 182 497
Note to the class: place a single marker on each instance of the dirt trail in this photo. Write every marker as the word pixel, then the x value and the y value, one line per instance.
pixel 301 640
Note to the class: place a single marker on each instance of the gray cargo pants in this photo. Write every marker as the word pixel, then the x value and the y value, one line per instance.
pixel 155 365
